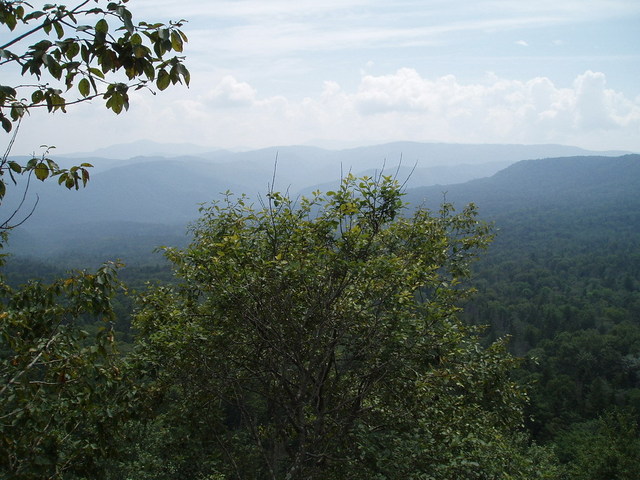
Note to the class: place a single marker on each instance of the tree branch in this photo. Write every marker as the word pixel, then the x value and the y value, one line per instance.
pixel 40 27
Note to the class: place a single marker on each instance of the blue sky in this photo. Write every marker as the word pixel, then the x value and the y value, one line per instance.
pixel 352 72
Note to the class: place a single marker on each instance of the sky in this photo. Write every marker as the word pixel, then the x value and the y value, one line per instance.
pixel 340 73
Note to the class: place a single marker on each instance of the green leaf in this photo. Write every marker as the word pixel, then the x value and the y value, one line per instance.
pixel 9 20
pixel 97 72
pixel 164 79
pixel 41 171
pixel 136 39
pixel 139 51
pixel 53 166
pixel 85 176
pixel 72 50
pixel 59 29
pixel 185 73
pixel 126 19
pixel 3 189
pixel 176 41
pixel 6 123
pixel 7 91
pixel 37 96
pixel 15 166
pixel 17 111
pixel 85 54
pixel 102 26
pixel 54 68
pixel 84 87
pixel 148 69
pixel 115 103
pixel 33 16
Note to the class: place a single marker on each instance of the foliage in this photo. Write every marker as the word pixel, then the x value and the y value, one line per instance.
pixel 42 168
pixel 85 55
pixel 602 449
pixel 565 285
pixel 320 339
pixel 62 393
pixel 59 395
pixel 570 300
pixel 87 51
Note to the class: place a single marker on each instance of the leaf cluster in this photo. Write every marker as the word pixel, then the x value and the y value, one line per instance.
pixel 40 168
pixel 82 48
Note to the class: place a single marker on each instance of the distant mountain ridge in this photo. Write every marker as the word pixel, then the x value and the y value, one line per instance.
pixel 125 151
pixel 553 182
pixel 444 152
pixel 163 194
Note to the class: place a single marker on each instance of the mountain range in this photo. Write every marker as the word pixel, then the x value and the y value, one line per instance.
pixel 133 205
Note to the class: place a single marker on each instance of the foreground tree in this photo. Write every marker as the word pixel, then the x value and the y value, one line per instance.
pixel 62 391
pixel 320 340
pixel 58 389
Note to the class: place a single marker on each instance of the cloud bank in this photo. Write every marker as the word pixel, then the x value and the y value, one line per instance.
pixel 229 112
pixel 405 105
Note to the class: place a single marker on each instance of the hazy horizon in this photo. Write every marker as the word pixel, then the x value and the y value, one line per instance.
pixel 147 147
pixel 359 72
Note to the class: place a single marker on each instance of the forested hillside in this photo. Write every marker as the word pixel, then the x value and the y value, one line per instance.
pixel 397 311
pixel 560 281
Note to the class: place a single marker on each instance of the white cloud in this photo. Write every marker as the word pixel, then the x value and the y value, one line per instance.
pixel 593 109
pixel 404 105
pixel 258 69
pixel 231 93
pixel 403 91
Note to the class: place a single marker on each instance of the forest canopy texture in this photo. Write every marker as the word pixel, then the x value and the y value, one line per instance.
pixel 319 338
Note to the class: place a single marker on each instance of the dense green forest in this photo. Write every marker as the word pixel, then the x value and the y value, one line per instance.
pixel 303 339
pixel 565 288
pixel 560 283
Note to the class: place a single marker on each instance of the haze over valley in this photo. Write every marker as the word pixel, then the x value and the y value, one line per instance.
pixel 151 198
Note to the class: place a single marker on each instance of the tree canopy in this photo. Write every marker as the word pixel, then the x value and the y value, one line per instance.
pixel 60 394
pixel 319 338
pixel 58 387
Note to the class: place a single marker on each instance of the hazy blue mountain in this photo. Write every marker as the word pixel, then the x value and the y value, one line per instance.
pixel 414 177
pixel 157 195
pixel 299 167
pixel 552 182
pixel 124 151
